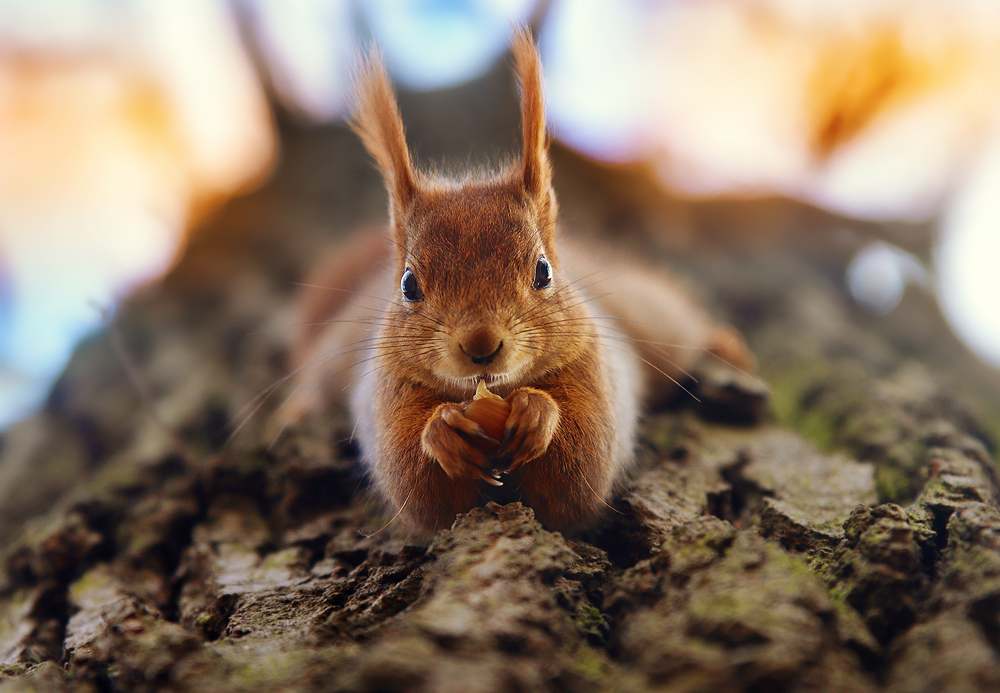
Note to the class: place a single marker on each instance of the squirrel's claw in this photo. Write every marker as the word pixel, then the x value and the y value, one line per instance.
pixel 454 417
pixel 508 438
pixel 534 418
pixel 492 479
pixel 443 439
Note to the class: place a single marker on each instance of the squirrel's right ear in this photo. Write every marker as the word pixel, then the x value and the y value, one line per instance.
pixel 376 120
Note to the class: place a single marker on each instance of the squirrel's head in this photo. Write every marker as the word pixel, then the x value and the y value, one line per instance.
pixel 480 293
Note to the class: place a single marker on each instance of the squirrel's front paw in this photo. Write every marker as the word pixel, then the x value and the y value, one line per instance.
pixel 533 420
pixel 446 438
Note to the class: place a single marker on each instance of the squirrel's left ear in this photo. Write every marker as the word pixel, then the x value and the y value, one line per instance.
pixel 536 172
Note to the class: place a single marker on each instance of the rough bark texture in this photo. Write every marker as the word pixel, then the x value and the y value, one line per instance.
pixel 839 532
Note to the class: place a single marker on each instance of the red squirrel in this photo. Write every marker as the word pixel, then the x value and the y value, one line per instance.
pixel 474 286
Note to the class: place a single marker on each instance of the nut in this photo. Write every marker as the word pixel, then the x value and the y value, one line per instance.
pixel 489 411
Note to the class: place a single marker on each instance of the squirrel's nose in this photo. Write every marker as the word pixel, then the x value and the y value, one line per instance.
pixel 481 346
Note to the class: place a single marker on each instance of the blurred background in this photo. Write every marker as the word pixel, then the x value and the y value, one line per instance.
pixel 124 122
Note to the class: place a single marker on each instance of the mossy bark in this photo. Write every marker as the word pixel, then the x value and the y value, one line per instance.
pixel 833 529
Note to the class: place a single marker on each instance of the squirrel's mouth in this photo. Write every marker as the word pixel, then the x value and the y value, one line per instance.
pixel 495 379
pixel 489 378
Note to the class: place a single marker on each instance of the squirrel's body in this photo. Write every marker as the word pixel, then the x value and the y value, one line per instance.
pixel 595 386
pixel 472 286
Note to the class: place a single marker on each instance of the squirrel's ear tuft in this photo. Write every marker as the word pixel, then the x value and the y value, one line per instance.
pixel 376 120
pixel 536 172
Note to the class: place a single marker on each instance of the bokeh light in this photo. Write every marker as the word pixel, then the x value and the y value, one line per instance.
pixel 968 253
pixel 120 120
pixel 873 110
pixel 430 44
pixel 117 120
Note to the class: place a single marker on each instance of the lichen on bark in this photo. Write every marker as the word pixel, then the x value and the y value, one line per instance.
pixel 829 525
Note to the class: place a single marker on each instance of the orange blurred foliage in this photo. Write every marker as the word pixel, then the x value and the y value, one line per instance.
pixel 859 78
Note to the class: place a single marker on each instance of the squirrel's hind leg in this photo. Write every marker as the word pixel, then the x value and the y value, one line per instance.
pixel 336 323
pixel 670 331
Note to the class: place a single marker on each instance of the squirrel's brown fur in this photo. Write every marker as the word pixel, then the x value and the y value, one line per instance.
pixel 476 249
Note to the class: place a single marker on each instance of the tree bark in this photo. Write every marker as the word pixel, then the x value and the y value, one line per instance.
pixel 832 525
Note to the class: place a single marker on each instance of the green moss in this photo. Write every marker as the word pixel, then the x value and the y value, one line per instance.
pixel 137 538
pixel 93 580
pixel 894 485
pixel 787 383
pixel 601 674
pixel 589 620
pixel 280 559
pixel 123 471
pixel 793 563
pixel 590 664
pixel 12 611
pixel 844 413
pixel 814 424
pixel 819 428
pixel 258 665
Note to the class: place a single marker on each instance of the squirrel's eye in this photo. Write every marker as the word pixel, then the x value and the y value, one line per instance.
pixel 408 285
pixel 543 274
